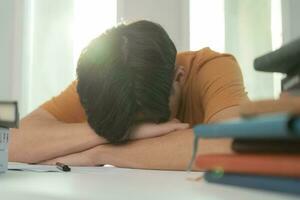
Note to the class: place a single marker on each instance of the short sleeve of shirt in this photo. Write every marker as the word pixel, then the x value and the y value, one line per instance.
pixel 66 106
pixel 220 85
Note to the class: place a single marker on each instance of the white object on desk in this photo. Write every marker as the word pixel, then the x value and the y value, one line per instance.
pixel 16 166
pixel 109 183
pixel 3 149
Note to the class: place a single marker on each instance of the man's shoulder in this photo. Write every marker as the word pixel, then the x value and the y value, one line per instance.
pixel 204 54
pixel 197 59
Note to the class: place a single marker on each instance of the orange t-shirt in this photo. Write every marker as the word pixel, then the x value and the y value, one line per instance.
pixel 214 82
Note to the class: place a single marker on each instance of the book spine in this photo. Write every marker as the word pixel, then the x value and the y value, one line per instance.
pixel 274 126
pixel 283 165
pixel 290 82
pixel 3 149
pixel 291 146
pixel 295 92
pixel 286 185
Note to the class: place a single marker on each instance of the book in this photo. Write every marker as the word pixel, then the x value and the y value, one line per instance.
pixel 281 125
pixel 285 59
pixel 291 146
pixel 9 114
pixel 270 183
pixel 290 82
pixel 290 104
pixel 3 149
pixel 293 92
pixel 9 118
pixel 3 138
pixel 284 165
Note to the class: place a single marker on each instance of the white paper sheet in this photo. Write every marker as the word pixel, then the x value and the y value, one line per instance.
pixel 16 166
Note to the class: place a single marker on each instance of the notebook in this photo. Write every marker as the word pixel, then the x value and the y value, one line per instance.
pixel 281 125
pixel 262 164
pixel 275 184
pixel 291 146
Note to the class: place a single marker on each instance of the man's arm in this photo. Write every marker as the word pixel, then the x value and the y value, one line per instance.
pixel 171 152
pixel 168 152
pixel 42 137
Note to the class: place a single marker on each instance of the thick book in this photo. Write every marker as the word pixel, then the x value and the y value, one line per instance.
pixel 264 126
pixel 269 183
pixel 285 59
pixel 291 146
pixel 9 114
pixel 290 104
pixel 284 165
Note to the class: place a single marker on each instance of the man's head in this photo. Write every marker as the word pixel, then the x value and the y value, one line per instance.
pixel 125 78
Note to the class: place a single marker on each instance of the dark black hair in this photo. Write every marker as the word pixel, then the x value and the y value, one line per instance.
pixel 125 78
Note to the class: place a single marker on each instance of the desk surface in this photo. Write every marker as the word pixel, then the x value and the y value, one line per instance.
pixel 114 183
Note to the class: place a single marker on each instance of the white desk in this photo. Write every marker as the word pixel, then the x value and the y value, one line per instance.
pixel 109 183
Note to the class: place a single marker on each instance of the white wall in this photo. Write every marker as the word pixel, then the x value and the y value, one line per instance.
pixel 290 20
pixel 11 44
pixel 6 47
pixel 247 36
pixel 32 42
pixel 173 15
pixel 51 67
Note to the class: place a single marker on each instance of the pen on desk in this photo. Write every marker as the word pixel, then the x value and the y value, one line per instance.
pixel 63 167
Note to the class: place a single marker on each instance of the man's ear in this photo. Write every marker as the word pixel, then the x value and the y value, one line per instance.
pixel 180 75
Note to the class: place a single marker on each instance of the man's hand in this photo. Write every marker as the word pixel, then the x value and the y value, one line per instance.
pixel 149 130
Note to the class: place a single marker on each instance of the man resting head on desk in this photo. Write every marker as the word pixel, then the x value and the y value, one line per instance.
pixel 133 104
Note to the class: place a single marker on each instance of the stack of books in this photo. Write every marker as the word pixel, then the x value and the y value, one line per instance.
pixel 266 140
pixel 267 152
pixel 9 118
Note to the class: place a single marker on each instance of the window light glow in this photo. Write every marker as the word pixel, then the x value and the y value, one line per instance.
pixel 276 28
pixel 207 24
pixel 91 18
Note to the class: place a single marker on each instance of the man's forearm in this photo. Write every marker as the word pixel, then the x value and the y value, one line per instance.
pixel 170 152
pixel 41 137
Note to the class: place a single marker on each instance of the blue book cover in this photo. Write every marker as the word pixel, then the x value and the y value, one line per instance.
pixel 276 184
pixel 266 126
